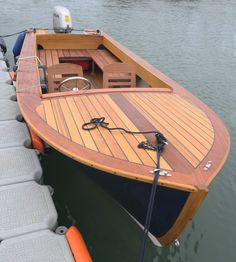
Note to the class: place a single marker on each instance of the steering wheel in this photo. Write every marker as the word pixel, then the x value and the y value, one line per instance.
pixel 64 84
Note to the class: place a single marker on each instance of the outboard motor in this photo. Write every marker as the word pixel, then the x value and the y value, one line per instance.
pixel 62 20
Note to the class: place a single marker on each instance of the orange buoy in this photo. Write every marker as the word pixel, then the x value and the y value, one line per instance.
pixel 37 142
pixel 77 245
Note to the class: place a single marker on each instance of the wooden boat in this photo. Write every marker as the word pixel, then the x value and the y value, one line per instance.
pixel 198 142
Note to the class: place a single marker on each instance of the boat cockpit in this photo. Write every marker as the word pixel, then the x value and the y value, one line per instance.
pixel 67 69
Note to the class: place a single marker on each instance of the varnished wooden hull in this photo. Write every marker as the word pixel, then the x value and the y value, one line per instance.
pixel 194 133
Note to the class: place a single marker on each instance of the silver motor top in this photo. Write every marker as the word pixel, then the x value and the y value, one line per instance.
pixel 62 22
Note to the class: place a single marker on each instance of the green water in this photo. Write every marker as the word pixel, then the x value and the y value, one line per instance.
pixel 194 42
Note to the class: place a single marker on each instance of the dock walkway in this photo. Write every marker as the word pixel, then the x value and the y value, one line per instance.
pixel 28 216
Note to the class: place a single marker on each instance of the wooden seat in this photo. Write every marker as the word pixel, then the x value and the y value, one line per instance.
pixel 119 75
pixel 59 72
pixel 102 58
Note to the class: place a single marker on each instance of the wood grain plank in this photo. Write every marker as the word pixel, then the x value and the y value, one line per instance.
pixel 86 136
pixel 133 141
pixel 179 157
pixel 192 113
pixel 107 136
pixel 42 56
pixel 95 79
pixel 102 57
pixel 70 121
pixel 132 126
pixel 60 53
pixel 193 110
pixel 191 106
pixel 55 59
pixel 73 53
pixel 28 79
pixel 49 58
pixel 78 53
pixel 50 117
pixel 41 112
pixel 185 115
pixel 99 140
pixel 108 56
pixel 148 157
pixel 85 52
pixel 196 138
pixel 71 41
pixel 190 110
pixel 60 119
pixel 120 138
pixel 158 120
pixel 97 58
pixel 66 53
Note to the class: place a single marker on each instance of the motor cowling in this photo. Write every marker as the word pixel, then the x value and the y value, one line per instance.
pixel 62 22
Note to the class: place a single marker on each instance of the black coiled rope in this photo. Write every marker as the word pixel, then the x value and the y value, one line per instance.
pixel 161 142
pixel 100 121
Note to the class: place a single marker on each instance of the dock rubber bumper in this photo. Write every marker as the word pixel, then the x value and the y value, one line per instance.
pixel 25 208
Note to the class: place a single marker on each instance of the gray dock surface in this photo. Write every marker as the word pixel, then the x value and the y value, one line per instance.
pixel 28 216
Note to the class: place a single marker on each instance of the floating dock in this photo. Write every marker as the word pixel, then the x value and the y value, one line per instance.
pixel 28 217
